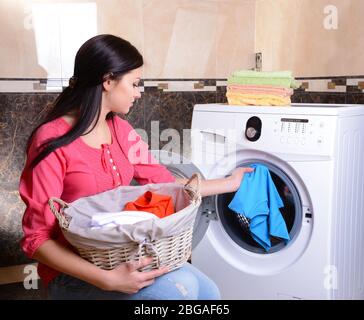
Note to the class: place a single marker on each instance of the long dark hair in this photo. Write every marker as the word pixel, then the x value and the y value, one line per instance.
pixel 99 58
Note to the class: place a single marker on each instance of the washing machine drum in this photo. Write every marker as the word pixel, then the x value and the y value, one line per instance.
pixel 291 212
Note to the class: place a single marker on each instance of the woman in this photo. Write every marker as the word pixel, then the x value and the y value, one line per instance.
pixel 82 149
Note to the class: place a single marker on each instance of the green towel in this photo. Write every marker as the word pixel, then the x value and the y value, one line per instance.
pixel 262 74
pixel 275 78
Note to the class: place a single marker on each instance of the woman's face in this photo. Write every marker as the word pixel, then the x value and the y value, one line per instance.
pixel 119 95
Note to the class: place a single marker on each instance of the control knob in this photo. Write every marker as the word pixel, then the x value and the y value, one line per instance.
pixel 253 129
pixel 251 132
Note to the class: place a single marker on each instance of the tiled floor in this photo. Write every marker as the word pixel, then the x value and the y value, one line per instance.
pixel 16 291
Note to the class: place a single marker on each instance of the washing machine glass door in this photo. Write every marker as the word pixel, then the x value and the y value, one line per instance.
pixel 291 193
pixel 183 168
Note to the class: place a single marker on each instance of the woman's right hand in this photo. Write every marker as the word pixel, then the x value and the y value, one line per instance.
pixel 126 277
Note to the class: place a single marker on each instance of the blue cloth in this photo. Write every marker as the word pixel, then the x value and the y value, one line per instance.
pixel 258 199
pixel 185 283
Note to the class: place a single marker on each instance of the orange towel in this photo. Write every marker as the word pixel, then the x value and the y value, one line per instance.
pixel 236 88
pixel 161 205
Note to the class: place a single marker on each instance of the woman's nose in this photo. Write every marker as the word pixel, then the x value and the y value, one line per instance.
pixel 137 94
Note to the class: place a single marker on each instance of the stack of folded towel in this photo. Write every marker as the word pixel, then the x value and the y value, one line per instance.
pixel 258 88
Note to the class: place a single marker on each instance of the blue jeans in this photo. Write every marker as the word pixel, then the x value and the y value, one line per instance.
pixel 185 283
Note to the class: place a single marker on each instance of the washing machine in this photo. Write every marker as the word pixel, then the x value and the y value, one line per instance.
pixel 315 155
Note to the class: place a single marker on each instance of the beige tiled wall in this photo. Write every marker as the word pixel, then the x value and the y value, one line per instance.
pixel 18 53
pixel 184 38
pixel 236 37
pixel 179 38
pixel 197 39
pixel 123 18
pixel 292 34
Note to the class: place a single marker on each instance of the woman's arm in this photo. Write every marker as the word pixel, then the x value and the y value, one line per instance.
pixel 124 278
pixel 223 185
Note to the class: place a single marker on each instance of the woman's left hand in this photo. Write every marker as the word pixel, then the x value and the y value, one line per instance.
pixel 237 176
pixel 222 185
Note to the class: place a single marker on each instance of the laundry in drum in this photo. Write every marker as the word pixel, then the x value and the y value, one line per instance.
pixel 257 204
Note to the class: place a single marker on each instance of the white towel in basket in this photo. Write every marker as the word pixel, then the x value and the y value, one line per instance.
pixel 111 219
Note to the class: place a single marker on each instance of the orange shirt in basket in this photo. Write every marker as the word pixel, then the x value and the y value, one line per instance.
pixel 161 205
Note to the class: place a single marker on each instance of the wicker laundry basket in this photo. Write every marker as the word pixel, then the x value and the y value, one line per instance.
pixel 172 251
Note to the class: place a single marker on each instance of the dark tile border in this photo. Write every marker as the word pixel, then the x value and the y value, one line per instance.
pixel 337 80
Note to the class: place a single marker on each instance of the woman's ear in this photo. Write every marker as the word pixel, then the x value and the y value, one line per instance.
pixel 108 84
pixel 108 81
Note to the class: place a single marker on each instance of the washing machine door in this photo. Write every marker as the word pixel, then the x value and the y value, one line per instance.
pixel 183 168
pixel 230 236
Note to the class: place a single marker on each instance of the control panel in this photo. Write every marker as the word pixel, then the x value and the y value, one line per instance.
pixel 295 134
pixel 299 131
pixel 289 133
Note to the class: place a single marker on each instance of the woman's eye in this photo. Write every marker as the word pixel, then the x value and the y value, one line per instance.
pixel 135 85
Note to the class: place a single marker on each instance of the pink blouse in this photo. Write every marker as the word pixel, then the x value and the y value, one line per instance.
pixel 78 170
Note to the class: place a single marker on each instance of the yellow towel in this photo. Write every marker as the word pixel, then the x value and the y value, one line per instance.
pixel 257 99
